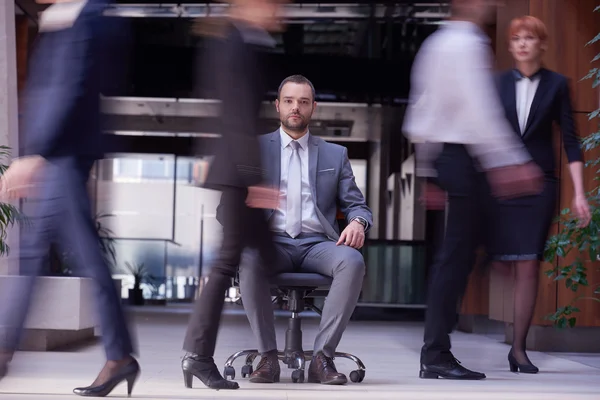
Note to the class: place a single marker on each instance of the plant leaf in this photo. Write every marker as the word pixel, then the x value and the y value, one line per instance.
pixel 594 40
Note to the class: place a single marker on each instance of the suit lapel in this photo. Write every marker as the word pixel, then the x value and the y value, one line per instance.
pixel 313 159
pixel 537 99
pixel 510 101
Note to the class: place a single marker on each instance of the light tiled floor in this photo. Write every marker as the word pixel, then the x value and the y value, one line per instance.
pixel 390 351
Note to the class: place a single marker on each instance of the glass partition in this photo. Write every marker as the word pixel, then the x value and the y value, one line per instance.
pixel 157 216
pixel 396 273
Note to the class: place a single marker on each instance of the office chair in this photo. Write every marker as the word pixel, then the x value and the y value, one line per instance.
pixel 294 288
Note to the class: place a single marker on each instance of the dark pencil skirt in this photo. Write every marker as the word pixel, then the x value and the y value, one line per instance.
pixel 519 227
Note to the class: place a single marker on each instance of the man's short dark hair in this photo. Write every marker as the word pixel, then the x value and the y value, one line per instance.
pixel 299 79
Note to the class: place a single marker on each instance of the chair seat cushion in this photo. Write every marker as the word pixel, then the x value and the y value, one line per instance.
pixel 299 279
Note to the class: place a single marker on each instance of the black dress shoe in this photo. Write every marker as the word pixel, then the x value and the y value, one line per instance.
pixel 449 370
pixel 205 369
pixel 514 365
pixel 128 373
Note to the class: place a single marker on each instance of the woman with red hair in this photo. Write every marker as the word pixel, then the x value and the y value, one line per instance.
pixel 534 98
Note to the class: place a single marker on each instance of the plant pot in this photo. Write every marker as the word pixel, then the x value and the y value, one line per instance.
pixel 190 291
pixel 136 297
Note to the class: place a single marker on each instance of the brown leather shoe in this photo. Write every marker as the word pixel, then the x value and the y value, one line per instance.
pixel 322 370
pixel 268 370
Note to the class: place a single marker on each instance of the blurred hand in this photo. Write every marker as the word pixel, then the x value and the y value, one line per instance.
pixel 353 235
pixel 20 178
pixel 516 180
pixel 433 197
pixel 581 210
pixel 263 197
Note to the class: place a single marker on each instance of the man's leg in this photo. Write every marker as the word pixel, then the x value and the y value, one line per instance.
pixel 453 263
pixel 448 278
pixel 256 297
pixel 347 268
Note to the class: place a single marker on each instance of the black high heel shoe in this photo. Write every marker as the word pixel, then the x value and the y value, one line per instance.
pixel 514 365
pixel 128 373
pixel 204 368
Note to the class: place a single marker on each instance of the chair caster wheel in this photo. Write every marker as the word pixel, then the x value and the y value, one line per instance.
pixel 229 373
pixel 298 376
pixel 247 370
pixel 357 376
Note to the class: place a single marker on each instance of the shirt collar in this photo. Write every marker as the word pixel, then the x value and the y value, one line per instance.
pixel 518 75
pixel 286 139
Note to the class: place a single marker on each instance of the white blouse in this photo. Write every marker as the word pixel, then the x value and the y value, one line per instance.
pixel 525 92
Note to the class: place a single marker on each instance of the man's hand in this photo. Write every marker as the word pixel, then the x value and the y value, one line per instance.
pixel 516 180
pixel 20 178
pixel 262 197
pixel 581 210
pixel 353 235
pixel 433 197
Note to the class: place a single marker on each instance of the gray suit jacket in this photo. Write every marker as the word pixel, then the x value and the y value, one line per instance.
pixel 331 177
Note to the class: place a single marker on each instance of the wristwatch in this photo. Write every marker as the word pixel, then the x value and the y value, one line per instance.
pixel 361 221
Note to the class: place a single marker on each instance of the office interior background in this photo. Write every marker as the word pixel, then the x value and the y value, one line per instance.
pixel 358 55
pixel 162 226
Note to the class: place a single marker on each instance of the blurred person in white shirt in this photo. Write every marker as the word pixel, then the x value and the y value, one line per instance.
pixel 467 151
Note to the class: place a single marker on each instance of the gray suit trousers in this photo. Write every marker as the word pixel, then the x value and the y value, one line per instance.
pixel 307 253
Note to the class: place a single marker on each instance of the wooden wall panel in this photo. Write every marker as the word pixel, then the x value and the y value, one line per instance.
pixel 571 24
pixel 22 36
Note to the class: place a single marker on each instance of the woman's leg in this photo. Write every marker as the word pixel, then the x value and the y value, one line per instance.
pixel 525 295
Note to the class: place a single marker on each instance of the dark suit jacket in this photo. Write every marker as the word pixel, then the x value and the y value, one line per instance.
pixel 331 178
pixel 551 103
pixel 68 71
pixel 234 66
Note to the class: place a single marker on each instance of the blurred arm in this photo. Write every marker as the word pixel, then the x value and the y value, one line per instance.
pixel 241 101
pixel 570 139
pixel 495 143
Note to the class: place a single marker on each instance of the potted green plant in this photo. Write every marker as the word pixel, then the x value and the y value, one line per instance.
pixel 9 214
pixel 586 241
pixel 140 276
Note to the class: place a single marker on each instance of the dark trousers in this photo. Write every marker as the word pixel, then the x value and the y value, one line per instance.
pixel 61 214
pixel 243 228
pixel 468 192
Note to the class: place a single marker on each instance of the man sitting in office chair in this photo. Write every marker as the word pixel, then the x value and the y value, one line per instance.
pixel 315 179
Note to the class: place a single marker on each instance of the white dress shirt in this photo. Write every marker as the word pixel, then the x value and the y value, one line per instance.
pixel 525 89
pixel 310 220
pixel 60 16
pixel 453 99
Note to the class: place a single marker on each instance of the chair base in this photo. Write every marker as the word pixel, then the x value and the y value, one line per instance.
pixel 295 360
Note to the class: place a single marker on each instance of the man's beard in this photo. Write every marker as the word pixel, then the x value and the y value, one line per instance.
pixel 297 126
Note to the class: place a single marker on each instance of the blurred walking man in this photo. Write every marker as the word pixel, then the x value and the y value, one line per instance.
pixel 465 145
